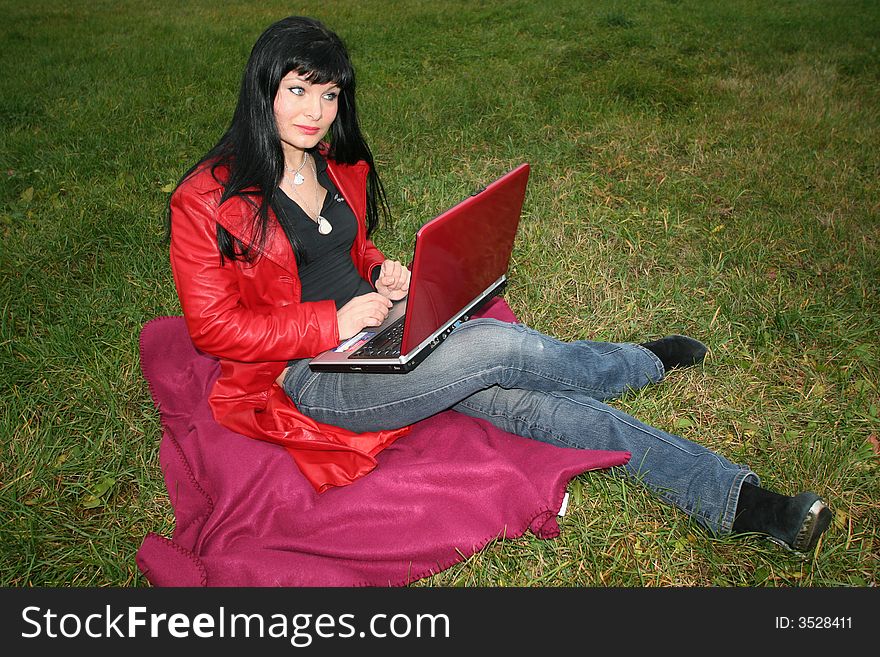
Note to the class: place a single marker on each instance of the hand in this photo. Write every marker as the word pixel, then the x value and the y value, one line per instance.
pixel 393 281
pixel 366 310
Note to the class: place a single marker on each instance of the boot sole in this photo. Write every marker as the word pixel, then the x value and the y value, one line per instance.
pixel 815 523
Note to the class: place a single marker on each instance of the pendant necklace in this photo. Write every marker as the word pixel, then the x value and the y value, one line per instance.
pixel 297 176
pixel 324 226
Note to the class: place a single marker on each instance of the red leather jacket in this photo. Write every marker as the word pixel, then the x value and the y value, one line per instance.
pixel 250 316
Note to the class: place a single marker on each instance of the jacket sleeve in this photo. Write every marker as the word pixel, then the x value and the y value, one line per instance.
pixel 371 259
pixel 218 319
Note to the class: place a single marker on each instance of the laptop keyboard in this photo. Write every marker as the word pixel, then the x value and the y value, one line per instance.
pixel 385 345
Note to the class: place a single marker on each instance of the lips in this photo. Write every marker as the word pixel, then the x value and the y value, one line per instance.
pixel 308 130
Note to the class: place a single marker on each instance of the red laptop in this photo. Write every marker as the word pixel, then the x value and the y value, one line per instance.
pixel 460 262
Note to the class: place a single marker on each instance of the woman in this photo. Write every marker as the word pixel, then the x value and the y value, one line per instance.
pixel 273 264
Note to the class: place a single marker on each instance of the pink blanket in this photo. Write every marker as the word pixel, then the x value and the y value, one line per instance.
pixel 245 516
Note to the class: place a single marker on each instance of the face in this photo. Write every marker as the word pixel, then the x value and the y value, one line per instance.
pixel 304 113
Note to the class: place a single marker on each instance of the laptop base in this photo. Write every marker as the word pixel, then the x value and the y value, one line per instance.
pixel 402 365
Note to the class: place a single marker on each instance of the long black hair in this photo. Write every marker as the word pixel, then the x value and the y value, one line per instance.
pixel 251 146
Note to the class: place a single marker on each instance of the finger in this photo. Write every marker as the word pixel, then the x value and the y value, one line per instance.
pixel 378 317
pixel 402 276
pixel 372 299
pixel 389 273
pixel 380 303
pixel 372 316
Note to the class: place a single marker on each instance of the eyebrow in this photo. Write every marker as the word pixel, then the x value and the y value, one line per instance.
pixel 287 79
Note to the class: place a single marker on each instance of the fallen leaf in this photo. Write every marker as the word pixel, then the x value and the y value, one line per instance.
pixel 91 502
pixel 95 498
pixel 104 485
pixel 875 443
pixel 168 188
pixel 28 195
pixel 750 429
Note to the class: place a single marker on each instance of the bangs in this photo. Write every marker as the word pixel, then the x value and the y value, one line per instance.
pixel 326 66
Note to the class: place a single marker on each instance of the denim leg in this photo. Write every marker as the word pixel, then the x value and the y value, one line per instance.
pixel 477 355
pixel 491 356
pixel 703 484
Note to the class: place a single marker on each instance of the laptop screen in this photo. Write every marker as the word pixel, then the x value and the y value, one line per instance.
pixel 460 253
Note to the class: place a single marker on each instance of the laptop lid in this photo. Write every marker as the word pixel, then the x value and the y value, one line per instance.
pixel 460 253
pixel 460 261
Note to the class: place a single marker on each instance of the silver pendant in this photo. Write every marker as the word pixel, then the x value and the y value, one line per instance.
pixel 298 179
pixel 324 226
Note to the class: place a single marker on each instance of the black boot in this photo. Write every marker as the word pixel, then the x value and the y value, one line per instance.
pixel 677 351
pixel 795 522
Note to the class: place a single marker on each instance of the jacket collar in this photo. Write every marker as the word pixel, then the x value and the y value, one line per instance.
pixel 237 214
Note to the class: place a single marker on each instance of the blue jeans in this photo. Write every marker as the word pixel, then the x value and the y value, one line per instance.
pixel 535 386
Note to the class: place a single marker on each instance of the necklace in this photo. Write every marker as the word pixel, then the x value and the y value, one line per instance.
pixel 324 226
pixel 297 176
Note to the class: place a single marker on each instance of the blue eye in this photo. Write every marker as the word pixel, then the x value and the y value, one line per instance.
pixel 331 95
pixel 297 91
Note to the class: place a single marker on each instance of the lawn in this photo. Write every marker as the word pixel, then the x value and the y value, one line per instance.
pixel 703 167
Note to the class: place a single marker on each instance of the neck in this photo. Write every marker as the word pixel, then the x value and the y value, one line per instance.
pixel 296 160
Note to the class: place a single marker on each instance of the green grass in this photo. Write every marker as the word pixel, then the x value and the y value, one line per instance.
pixel 708 168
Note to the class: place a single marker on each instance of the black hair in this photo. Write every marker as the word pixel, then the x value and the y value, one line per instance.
pixel 251 146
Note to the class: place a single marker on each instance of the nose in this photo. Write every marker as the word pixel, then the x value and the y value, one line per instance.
pixel 315 109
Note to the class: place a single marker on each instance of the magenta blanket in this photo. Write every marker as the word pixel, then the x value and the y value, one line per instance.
pixel 245 516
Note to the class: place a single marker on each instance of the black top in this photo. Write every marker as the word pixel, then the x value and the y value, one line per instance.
pixel 326 270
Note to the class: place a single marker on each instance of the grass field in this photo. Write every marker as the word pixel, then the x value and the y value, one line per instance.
pixel 703 167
